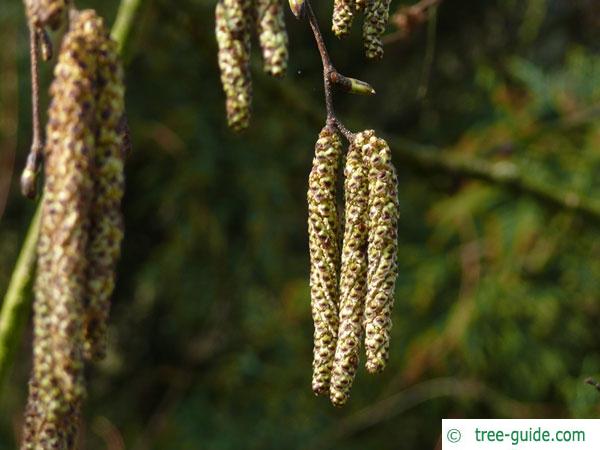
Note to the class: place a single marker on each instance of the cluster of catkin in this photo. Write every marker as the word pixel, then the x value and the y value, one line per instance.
pixel 375 21
pixel 234 22
pixel 352 291
pixel 81 228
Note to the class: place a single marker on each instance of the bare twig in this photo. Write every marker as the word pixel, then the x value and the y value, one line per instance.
pixel 29 176
pixel 330 75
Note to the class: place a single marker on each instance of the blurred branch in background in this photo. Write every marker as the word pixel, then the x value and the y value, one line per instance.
pixel 408 19
pixel 417 394
pixel 15 305
pixel 503 173
pixel 123 22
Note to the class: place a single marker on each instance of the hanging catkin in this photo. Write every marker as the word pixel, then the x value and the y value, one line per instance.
pixel 343 15
pixel 376 19
pixel 323 232
pixel 382 248
pixel 272 35
pixel 80 229
pixel 233 39
pixel 57 383
pixel 42 13
pixel 106 222
pixel 353 276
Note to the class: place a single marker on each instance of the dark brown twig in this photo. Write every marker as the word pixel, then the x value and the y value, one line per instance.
pixel 330 74
pixel 29 176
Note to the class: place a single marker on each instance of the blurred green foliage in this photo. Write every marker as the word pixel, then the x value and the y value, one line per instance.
pixel 498 299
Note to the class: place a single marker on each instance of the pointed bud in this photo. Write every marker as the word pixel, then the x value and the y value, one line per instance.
pixel 29 175
pixel 46 50
pixel 297 7
pixel 351 85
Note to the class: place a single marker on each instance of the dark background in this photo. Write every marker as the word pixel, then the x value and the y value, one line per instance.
pixel 497 304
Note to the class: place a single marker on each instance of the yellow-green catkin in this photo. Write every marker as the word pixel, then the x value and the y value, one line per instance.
pixel 343 15
pixel 323 232
pixel 233 39
pixel 57 379
pixel 42 13
pixel 273 37
pixel 353 277
pixel 382 248
pixel 106 221
pixel 376 19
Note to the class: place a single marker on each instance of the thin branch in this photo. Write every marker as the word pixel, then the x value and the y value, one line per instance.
pixel 15 305
pixel 330 74
pixel 29 176
pixel 504 174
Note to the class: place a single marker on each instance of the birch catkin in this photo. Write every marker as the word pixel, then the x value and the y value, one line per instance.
pixel 80 230
pixel 343 15
pixel 323 232
pixel 353 277
pixel 376 19
pixel 106 221
pixel 233 39
pixel 58 387
pixel 272 35
pixel 382 248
